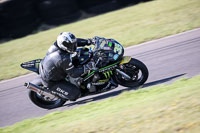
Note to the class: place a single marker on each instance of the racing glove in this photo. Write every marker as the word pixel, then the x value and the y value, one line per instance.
pixel 90 41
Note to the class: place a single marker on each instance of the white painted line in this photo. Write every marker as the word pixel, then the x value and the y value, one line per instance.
pixel 164 38
pixel 23 76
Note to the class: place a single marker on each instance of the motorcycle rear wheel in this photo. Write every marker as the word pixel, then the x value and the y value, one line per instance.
pixel 136 70
pixel 40 101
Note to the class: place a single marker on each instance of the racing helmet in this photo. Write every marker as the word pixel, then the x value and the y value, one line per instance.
pixel 67 42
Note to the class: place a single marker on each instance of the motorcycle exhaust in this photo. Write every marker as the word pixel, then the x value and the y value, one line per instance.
pixel 39 90
pixel 123 74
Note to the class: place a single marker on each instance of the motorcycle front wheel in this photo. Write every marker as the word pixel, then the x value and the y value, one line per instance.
pixel 134 69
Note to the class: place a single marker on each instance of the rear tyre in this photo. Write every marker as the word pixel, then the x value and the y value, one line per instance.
pixel 42 102
pixel 136 70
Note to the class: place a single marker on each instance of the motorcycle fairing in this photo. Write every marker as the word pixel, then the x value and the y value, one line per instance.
pixel 104 70
pixel 125 59
pixel 32 65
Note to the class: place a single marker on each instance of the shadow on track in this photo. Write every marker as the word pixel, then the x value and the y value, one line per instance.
pixel 115 93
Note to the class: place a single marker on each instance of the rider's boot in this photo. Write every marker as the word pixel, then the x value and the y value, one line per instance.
pixel 111 85
pixel 91 88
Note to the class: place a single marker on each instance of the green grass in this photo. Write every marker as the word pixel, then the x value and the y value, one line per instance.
pixel 130 26
pixel 159 109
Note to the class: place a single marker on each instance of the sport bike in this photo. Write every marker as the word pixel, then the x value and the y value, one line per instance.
pixel 110 66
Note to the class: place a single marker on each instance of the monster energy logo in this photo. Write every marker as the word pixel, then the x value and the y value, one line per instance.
pixel 106 70
pixel 108 74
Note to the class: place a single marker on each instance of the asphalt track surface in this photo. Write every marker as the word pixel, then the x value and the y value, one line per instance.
pixel 167 59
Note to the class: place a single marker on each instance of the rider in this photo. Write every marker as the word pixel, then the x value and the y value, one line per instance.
pixel 57 64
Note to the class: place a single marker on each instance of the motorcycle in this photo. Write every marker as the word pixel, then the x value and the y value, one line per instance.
pixel 110 66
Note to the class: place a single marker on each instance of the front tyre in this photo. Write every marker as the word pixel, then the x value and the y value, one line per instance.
pixel 136 70
pixel 44 102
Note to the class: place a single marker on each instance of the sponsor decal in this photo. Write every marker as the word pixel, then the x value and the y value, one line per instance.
pixel 118 49
pixel 27 65
pixel 62 91
pixel 37 65
pixel 108 74
pixel 110 44
pixel 105 69
pixel 103 81
pixel 108 68
pixel 107 48
pixel 58 94
pixel 115 56
pixel 98 83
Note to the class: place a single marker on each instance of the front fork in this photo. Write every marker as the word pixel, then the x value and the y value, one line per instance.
pixel 125 60
pixel 123 74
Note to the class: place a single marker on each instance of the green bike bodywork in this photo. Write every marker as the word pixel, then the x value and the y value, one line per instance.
pixel 108 70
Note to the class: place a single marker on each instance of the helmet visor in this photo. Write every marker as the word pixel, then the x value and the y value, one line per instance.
pixel 71 47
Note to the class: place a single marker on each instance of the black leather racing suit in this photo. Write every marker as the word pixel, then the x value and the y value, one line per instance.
pixel 54 68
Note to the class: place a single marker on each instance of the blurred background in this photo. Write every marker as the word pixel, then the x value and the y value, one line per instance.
pixel 19 18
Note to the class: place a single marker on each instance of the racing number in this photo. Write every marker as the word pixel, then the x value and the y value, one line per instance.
pixel 118 49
